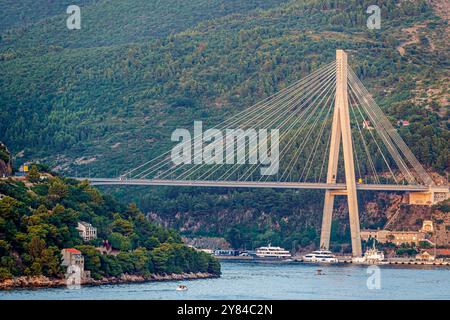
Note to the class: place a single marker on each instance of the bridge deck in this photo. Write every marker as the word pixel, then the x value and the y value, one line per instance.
pixel 251 184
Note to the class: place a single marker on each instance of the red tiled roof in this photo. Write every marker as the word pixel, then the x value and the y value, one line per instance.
pixel 443 252
pixel 72 250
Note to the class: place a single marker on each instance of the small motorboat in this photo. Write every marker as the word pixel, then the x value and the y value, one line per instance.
pixel 319 272
pixel 181 287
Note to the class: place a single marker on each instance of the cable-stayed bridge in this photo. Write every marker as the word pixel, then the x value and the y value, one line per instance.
pixel 301 138
pixel 253 184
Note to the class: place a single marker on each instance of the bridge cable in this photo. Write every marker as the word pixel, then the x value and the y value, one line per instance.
pixel 310 94
pixel 394 134
pixel 317 96
pixel 354 140
pixel 390 145
pixel 269 102
pixel 325 155
pixel 319 136
pixel 288 170
pixel 248 111
pixel 351 94
pixel 274 120
pixel 302 145
pixel 324 88
pixel 365 145
pixel 309 134
pixel 385 137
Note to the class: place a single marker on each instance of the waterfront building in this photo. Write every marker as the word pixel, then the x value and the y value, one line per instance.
pixel 425 256
pixel 226 252
pixel 107 249
pixel 72 257
pixel 87 231
pixel 427 226
pixel 396 237
pixel 443 253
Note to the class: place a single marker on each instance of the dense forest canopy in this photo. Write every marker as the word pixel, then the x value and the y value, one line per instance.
pixel 107 22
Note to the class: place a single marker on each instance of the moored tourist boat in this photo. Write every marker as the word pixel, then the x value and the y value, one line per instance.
pixel 320 256
pixel 273 253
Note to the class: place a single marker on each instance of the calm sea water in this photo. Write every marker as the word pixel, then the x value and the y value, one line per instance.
pixel 272 281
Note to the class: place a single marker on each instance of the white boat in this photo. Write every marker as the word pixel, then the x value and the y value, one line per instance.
pixel 371 256
pixel 319 272
pixel 320 256
pixel 181 288
pixel 273 253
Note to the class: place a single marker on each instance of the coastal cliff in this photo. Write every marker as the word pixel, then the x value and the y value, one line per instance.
pixel 5 161
pixel 46 282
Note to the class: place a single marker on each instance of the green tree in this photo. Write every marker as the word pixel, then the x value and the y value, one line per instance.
pixel 141 259
pixel 92 260
pixel 119 241
pixel 5 274
pixel 58 189
pixel 33 175
pixel 214 266
pixel 122 226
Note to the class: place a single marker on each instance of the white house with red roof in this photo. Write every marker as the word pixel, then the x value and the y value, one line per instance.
pixel 403 123
pixel 72 257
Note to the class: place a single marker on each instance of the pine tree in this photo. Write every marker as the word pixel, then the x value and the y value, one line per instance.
pixel 33 174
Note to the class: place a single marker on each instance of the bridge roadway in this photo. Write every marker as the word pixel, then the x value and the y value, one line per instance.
pixel 250 184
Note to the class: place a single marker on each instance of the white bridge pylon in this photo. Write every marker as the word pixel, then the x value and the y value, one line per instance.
pixel 315 116
pixel 341 129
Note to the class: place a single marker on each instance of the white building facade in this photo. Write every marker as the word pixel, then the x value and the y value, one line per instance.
pixel 87 231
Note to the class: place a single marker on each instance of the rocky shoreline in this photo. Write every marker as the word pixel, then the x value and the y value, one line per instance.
pixel 28 282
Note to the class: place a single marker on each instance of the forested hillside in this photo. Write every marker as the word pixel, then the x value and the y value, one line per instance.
pixel 25 12
pixel 38 218
pixel 105 98
pixel 112 22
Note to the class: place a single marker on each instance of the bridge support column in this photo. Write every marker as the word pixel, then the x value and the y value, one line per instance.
pixel 341 128
pixel 325 232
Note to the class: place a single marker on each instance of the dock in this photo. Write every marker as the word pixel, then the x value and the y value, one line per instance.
pixel 399 261
pixel 389 261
